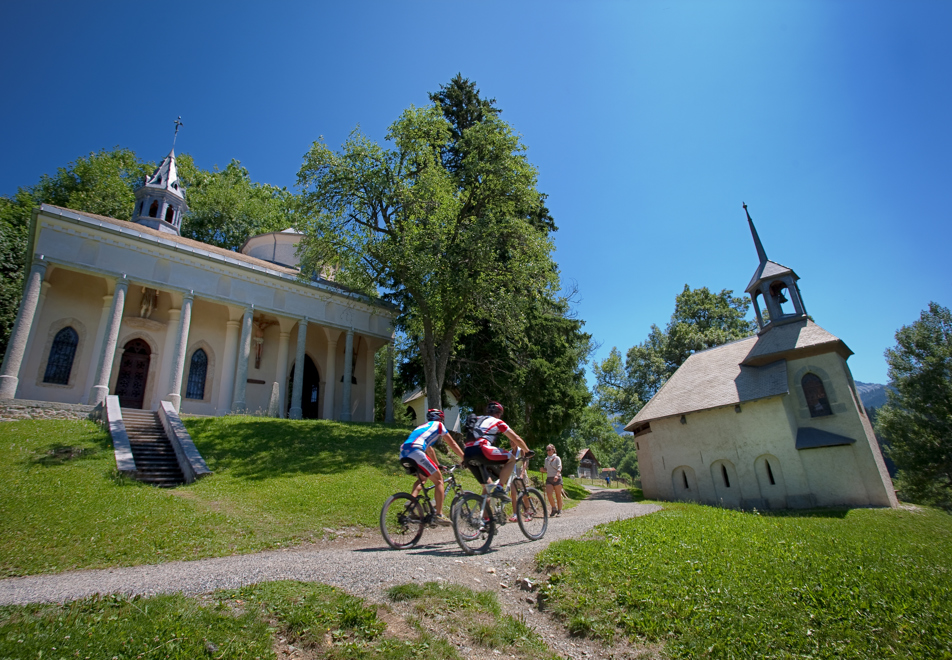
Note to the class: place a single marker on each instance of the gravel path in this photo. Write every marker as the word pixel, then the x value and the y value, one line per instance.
pixel 364 566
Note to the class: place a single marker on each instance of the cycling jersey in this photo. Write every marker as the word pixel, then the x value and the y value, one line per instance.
pixel 489 429
pixel 423 437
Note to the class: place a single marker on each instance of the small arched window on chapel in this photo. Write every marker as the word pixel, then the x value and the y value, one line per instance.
pixel 815 394
pixel 60 364
pixel 169 215
pixel 197 370
pixel 154 209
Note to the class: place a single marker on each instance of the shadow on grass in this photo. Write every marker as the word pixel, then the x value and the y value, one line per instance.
pixel 807 513
pixel 255 448
pixel 61 453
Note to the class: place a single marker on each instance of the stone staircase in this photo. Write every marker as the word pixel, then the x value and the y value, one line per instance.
pixel 155 459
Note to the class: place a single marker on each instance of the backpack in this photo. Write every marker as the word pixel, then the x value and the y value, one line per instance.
pixel 471 428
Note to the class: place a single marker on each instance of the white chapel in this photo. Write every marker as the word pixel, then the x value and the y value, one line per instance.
pixel 132 308
pixel 773 421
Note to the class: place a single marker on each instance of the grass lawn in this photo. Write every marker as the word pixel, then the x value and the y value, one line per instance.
pixel 261 620
pixel 715 583
pixel 276 483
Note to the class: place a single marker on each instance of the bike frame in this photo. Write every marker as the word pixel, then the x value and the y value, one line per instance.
pixel 499 511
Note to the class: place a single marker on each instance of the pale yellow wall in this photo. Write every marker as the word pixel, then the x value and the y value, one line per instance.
pixel 856 473
pixel 764 433
pixel 206 331
pixel 72 299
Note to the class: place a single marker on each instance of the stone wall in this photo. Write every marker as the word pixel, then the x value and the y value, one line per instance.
pixel 16 409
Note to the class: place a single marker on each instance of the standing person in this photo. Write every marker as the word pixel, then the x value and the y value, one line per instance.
pixel 481 449
pixel 419 448
pixel 608 481
pixel 553 479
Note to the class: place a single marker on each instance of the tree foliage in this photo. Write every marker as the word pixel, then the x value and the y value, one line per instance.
pixel 226 207
pixel 917 420
pixel 535 366
pixel 445 227
pixel 100 183
pixel 701 320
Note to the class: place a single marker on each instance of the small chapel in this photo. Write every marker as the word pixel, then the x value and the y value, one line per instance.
pixel 131 308
pixel 773 421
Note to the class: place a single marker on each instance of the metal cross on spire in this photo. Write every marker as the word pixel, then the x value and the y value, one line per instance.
pixel 178 124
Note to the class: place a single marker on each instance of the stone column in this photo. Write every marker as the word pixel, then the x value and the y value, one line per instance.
pixel 16 348
pixel 330 386
pixel 297 386
pixel 370 373
pixel 229 358
pixel 178 352
pixel 281 375
pixel 108 353
pixel 388 415
pixel 97 344
pixel 348 376
pixel 238 404
pixel 44 289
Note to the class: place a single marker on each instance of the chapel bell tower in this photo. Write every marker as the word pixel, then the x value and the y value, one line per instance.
pixel 773 289
pixel 160 200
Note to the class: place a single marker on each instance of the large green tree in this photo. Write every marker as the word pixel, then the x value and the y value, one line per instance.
pixel 445 227
pixel 916 422
pixel 701 320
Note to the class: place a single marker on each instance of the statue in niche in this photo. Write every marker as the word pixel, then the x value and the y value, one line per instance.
pixel 258 337
pixel 149 298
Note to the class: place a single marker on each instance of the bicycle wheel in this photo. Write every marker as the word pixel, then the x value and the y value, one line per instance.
pixel 472 532
pixel 532 514
pixel 401 521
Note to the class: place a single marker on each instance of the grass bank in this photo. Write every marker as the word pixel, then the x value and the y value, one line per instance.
pixel 268 620
pixel 715 583
pixel 276 483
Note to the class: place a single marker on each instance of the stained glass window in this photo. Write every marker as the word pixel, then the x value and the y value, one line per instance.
pixel 62 353
pixel 197 370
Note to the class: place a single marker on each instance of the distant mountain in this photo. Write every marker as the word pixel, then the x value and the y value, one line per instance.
pixel 872 394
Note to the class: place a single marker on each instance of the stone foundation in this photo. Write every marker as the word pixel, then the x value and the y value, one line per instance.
pixel 16 409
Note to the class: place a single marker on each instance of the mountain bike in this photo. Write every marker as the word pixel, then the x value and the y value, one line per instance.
pixel 475 517
pixel 404 516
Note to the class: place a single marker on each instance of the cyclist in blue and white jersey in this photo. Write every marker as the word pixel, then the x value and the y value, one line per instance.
pixel 419 448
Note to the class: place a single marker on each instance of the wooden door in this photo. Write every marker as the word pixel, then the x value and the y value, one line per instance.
pixel 133 374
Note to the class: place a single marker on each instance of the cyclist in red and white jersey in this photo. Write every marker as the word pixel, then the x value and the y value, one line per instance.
pixel 483 451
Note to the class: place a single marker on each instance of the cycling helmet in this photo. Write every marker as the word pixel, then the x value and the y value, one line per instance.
pixel 494 408
pixel 434 415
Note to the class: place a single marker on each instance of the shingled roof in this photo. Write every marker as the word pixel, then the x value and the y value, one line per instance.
pixel 744 370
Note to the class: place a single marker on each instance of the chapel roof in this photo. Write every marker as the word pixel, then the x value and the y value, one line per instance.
pixel 190 245
pixel 743 370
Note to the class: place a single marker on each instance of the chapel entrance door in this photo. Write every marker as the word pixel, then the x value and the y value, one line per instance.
pixel 133 373
pixel 310 399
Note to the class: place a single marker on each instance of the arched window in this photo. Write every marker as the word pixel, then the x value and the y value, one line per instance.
pixel 154 209
pixel 197 370
pixel 815 394
pixel 169 214
pixel 61 357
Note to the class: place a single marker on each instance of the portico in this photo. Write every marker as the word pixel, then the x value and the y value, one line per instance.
pixel 115 307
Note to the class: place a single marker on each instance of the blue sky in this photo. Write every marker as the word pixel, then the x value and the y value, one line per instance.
pixel 649 122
